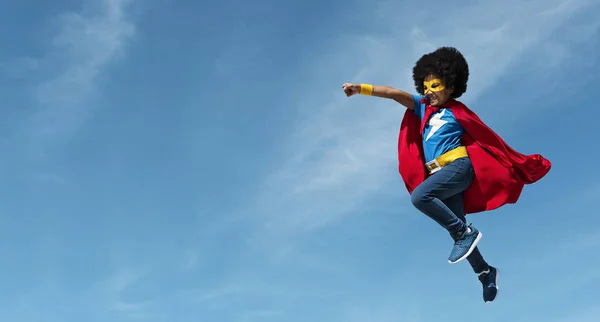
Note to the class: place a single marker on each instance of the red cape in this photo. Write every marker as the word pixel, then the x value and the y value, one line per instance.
pixel 500 171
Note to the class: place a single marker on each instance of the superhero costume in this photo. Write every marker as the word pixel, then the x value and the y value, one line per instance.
pixel 500 171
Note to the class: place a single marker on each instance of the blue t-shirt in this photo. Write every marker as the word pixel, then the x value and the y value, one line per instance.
pixel 442 132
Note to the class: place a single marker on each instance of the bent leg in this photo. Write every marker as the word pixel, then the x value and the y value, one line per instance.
pixel 451 180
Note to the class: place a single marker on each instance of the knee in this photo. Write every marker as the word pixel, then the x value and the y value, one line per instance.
pixel 419 198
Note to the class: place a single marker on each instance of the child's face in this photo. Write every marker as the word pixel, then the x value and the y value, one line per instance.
pixel 435 90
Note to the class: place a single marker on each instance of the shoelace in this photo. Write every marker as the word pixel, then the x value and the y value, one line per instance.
pixel 464 239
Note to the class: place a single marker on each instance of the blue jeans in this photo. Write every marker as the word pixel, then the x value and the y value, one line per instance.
pixel 440 197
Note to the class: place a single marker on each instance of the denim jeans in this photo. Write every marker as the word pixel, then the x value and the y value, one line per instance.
pixel 440 197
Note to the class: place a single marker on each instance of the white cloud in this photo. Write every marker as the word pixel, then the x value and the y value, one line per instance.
pixel 123 279
pixel 135 310
pixel 85 45
pixel 346 151
pixel 113 291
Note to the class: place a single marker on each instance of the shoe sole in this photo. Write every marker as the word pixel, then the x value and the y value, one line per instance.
pixel 477 239
pixel 497 287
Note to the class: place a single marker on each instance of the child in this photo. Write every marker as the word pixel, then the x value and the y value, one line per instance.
pixel 452 164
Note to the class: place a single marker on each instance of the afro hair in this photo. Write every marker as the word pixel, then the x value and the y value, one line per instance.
pixel 448 64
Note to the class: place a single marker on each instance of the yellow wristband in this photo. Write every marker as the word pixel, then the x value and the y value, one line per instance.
pixel 366 89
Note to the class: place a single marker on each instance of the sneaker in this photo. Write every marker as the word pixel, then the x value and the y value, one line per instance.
pixel 489 280
pixel 464 244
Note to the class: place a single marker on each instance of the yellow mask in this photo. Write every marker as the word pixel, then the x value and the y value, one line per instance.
pixel 434 85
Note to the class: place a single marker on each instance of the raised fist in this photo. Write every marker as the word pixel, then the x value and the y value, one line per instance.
pixel 351 89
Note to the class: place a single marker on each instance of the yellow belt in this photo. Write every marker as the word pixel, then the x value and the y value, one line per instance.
pixel 435 165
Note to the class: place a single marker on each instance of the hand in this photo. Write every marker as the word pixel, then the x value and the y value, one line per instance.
pixel 351 89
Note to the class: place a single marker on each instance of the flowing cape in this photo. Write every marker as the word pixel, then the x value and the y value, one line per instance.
pixel 500 171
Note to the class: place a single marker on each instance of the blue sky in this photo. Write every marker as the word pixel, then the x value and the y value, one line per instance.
pixel 193 161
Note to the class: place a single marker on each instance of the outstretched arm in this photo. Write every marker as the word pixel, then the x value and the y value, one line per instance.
pixel 397 95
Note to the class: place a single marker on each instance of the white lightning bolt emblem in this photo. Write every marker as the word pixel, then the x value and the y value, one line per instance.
pixel 436 123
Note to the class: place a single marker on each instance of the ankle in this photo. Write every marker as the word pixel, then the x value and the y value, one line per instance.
pixel 485 271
